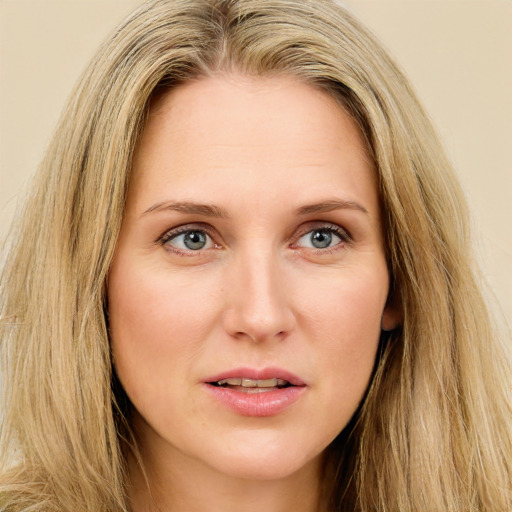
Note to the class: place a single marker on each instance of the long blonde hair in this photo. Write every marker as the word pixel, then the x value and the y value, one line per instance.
pixel 433 431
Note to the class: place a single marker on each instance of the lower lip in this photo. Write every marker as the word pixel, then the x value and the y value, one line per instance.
pixel 267 403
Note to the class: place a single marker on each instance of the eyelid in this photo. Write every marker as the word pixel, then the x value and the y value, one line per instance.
pixel 343 233
pixel 185 228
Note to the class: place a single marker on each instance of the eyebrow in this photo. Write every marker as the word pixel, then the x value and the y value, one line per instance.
pixel 210 210
pixel 329 206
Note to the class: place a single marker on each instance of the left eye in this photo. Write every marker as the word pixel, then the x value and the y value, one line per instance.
pixel 192 240
pixel 320 239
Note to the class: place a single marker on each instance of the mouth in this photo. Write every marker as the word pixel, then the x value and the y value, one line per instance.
pixel 247 379
pixel 251 392
pixel 245 385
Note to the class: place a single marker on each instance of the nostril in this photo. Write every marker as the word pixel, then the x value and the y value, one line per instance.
pixel 257 338
pixel 241 335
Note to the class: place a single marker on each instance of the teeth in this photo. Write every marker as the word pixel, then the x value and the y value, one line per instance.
pixel 231 382
pixel 252 383
pixel 270 383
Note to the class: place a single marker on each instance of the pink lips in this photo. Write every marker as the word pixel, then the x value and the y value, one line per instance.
pixel 267 403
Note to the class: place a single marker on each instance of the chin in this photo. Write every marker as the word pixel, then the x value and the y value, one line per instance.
pixel 266 461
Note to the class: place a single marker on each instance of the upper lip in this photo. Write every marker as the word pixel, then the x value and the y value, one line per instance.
pixel 258 374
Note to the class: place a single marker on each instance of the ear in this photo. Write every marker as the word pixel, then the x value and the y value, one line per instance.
pixel 392 316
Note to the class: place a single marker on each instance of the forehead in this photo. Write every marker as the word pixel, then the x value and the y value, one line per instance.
pixel 272 134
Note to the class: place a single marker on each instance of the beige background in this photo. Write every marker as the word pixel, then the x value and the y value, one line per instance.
pixel 457 53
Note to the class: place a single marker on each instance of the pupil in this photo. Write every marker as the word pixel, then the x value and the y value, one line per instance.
pixel 321 239
pixel 194 240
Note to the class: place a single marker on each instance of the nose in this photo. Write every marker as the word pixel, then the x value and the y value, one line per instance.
pixel 257 299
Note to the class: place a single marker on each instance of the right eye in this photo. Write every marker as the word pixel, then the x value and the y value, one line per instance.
pixel 188 240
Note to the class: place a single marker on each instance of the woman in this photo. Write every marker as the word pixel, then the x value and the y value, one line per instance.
pixel 243 280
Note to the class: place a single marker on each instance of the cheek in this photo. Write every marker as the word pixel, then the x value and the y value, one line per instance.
pixel 151 313
pixel 345 321
pixel 346 307
pixel 158 301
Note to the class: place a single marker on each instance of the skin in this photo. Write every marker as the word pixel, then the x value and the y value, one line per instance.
pixel 258 294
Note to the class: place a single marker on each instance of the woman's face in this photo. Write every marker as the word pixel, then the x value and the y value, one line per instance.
pixel 249 284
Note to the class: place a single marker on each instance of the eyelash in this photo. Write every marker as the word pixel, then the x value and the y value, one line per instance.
pixel 343 234
pixel 175 232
